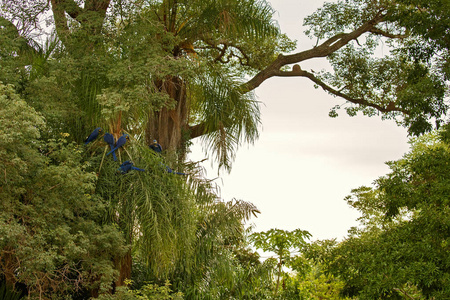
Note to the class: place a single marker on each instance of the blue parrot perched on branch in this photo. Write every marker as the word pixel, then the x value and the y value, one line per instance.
pixel 127 166
pixel 93 135
pixel 156 147
pixel 120 142
pixel 109 139
pixel 169 170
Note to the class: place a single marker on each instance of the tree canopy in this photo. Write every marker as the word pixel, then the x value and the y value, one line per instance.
pixel 401 248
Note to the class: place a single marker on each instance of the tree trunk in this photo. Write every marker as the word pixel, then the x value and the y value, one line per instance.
pixel 168 126
pixel 124 267
pixel 278 277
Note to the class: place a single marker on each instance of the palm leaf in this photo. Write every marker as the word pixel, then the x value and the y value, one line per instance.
pixel 152 208
pixel 230 117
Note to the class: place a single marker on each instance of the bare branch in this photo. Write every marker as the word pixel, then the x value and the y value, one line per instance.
pixel 244 59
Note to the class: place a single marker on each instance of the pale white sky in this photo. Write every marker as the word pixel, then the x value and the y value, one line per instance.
pixel 305 163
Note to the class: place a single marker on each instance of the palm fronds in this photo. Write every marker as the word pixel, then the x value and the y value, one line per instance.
pixel 153 208
pixel 229 116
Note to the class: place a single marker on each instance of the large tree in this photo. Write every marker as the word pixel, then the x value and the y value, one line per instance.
pixel 224 43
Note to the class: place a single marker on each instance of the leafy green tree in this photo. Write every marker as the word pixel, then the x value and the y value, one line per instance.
pixel 146 292
pixel 281 242
pixel 401 250
pixel 312 278
pixel 214 271
pixel 52 238
pixel 178 64
pixel 225 41
pixel 255 278
pixel 317 285
pixel 119 80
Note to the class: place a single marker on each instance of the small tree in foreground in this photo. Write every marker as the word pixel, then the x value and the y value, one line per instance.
pixel 281 242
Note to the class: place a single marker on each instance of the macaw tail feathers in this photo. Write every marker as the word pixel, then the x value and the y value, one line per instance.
pixel 137 169
pixel 112 151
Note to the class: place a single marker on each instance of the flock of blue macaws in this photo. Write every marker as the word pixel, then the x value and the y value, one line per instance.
pixel 127 165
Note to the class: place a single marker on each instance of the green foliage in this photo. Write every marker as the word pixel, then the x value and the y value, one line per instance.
pixel 408 72
pixel 401 250
pixel 229 116
pixel 8 294
pixel 427 19
pixel 72 225
pixel 52 238
pixel 154 209
pixel 320 286
pixel 146 292
pixel 281 242
pixel 213 271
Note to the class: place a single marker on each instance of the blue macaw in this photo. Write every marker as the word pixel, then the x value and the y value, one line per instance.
pixel 127 166
pixel 93 135
pixel 156 147
pixel 109 139
pixel 120 142
pixel 169 170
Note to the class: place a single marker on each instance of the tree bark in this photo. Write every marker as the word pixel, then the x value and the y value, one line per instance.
pixel 168 126
pixel 124 266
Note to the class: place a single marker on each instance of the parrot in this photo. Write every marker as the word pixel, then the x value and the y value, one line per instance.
pixel 156 147
pixel 127 166
pixel 169 170
pixel 120 142
pixel 109 139
pixel 93 135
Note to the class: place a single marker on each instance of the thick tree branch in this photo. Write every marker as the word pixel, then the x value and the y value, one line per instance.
pixel 76 12
pixel 90 17
pixel 197 130
pixel 328 47
pixel 60 19
pixel 243 58
pixel 333 39
pixel 71 8
pixel 97 5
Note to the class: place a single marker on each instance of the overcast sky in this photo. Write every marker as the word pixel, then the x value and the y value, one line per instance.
pixel 305 163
